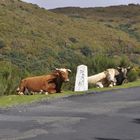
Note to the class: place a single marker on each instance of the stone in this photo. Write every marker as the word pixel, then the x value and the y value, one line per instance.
pixel 81 82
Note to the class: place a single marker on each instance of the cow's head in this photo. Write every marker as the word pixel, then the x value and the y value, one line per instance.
pixel 110 75
pixel 123 71
pixel 63 73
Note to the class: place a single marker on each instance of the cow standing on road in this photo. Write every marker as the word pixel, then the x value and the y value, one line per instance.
pixel 46 83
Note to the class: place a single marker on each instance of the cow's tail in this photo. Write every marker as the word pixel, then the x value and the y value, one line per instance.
pixel 21 89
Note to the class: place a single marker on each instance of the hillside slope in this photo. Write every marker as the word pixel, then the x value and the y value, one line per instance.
pixel 120 18
pixel 34 41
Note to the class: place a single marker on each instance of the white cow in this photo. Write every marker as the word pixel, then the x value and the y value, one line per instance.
pixel 104 79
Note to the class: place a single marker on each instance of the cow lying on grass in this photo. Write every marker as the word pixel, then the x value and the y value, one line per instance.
pixel 122 76
pixel 109 78
pixel 46 83
pixel 103 79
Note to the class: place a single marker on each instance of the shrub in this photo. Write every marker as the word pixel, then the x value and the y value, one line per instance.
pixel 86 51
pixel 9 78
pixel 2 44
pixel 132 76
pixel 137 70
pixel 73 40
pixel 100 63
pixel 124 62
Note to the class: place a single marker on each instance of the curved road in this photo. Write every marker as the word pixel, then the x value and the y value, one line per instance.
pixel 111 115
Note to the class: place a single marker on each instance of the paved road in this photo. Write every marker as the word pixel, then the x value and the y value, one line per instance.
pixel 113 115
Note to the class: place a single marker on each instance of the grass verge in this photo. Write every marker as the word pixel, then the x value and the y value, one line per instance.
pixel 12 100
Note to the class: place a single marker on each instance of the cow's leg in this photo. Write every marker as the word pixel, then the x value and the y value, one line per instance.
pixel 58 86
pixel 20 93
pixel 41 91
pixel 99 85
pixel 46 93
pixel 21 89
pixel 50 88
pixel 47 90
pixel 51 91
pixel 111 85
pixel 18 89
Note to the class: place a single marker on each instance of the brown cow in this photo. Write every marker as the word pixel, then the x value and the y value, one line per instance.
pixel 46 83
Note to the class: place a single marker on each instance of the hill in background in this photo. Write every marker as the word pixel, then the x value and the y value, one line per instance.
pixel 34 41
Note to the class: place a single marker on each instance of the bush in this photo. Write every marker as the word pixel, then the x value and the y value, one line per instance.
pixel 124 62
pixel 86 51
pixel 9 78
pixel 100 63
pixel 132 76
pixel 2 44
pixel 73 40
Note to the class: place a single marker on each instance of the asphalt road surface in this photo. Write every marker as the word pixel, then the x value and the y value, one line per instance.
pixel 111 115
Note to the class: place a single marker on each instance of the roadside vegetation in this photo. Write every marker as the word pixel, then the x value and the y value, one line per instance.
pixel 13 100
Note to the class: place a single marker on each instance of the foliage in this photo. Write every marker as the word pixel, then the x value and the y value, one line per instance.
pixel 86 51
pixel 100 63
pixel 132 76
pixel 2 44
pixel 9 77
pixel 13 100
pixel 124 61
pixel 130 30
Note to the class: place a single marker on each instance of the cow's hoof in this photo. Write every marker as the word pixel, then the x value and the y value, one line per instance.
pixel 110 85
pixel 20 93
pixel 114 84
pixel 46 93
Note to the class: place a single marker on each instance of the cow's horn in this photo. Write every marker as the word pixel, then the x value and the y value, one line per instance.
pixel 69 70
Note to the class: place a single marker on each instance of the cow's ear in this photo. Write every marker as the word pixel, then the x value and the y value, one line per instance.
pixel 119 68
pixel 56 69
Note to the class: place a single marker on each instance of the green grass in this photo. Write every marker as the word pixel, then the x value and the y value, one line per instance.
pixel 13 100
pixel 127 85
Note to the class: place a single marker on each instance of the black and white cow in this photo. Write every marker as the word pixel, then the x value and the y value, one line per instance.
pixel 122 75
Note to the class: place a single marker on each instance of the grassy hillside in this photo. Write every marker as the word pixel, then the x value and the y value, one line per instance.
pixel 34 41
pixel 119 18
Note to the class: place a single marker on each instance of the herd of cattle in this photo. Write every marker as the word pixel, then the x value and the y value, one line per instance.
pixel 52 83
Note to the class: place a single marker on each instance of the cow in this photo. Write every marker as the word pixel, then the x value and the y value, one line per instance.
pixel 110 77
pixel 122 75
pixel 96 79
pixel 103 79
pixel 51 83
